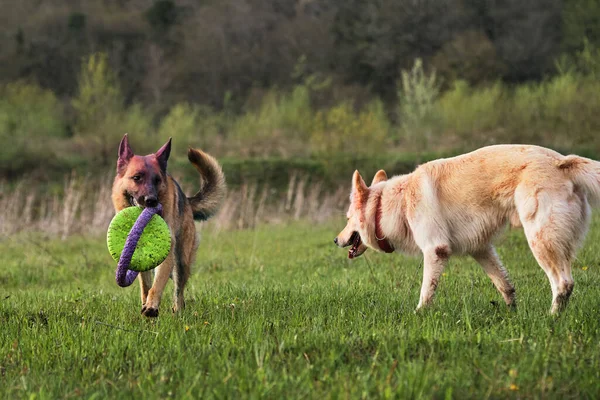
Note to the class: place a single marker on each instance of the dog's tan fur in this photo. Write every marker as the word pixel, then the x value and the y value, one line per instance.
pixel 155 184
pixel 459 205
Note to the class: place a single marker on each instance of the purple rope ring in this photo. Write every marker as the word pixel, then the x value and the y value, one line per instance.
pixel 124 275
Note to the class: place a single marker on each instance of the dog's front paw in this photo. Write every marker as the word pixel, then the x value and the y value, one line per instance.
pixel 149 312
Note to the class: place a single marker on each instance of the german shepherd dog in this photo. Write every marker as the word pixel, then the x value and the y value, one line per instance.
pixel 144 181
pixel 459 205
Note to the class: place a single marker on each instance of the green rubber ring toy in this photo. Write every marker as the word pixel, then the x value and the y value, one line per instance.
pixel 153 246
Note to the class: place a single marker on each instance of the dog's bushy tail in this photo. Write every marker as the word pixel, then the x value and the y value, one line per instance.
pixel 585 173
pixel 208 200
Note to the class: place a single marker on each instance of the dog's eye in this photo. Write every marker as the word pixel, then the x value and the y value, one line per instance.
pixel 157 180
pixel 136 178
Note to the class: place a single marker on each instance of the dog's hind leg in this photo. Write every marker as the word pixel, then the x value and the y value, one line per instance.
pixel 555 223
pixel 557 266
pixel 186 253
pixel 491 264
pixel 434 261
pixel 181 274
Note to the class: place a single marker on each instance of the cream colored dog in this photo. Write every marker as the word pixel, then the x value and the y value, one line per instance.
pixel 458 205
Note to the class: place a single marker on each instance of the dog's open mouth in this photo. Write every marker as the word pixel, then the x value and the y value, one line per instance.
pixel 356 242
pixel 132 201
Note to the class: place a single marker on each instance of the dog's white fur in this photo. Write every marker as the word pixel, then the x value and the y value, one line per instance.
pixel 459 205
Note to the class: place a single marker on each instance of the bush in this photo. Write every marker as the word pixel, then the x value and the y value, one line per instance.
pixel 31 129
pixel 558 112
pixel 101 116
pixel 580 19
pixel 470 56
pixel 472 113
pixel 341 130
pixel 281 126
pixel 191 126
pixel 417 96
pixel 585 63
pixel 276 172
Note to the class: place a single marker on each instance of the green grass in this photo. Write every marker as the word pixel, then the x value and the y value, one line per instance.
pixel 281 313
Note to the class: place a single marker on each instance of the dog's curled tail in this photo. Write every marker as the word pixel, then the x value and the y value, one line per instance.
pixel 585 173
pixel 208 200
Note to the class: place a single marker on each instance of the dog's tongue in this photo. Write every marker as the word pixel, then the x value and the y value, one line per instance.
pixel 352 252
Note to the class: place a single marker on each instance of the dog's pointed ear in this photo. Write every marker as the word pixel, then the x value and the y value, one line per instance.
pixel 359 186
pixel 162 155
pixel 125 154
pixel 380 176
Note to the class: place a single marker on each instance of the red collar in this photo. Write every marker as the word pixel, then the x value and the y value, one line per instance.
pixel 383 243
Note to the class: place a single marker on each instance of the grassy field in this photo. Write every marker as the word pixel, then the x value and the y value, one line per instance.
pixel 280 312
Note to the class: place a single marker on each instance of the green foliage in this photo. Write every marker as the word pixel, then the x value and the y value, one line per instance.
pixel 341 130
pixel 210 48
pixel 279 312
pixel 417 96
pixel 563 105
pixel 98 106
pixel 101 116
pixel 32 124
pixel 272 172
pixel 588 60
pixel 470 56
pixel 557 112
pixel 333 170
pixel 190 126
pixel 560 98
pixel 584 62
pixel 181 123
pixel 98 94
pixel 281 124
pixel 580 19
pixel 472 112
pixel 136 120
pixel 284 127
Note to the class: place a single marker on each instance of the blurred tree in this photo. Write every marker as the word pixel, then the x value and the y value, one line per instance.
pixel 374 40
pixel 584 62
pixel 162 15
pixel 31 128
pixel 526 34
pixel 236 46
pixel 471 56
pixel 168 51
pixel 77 22
pixel 98 103
pixel 159 75
pixel 417 94
pixel 580 20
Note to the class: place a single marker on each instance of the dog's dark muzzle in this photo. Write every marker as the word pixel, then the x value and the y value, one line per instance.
pixel 150 201
pixel 143 201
